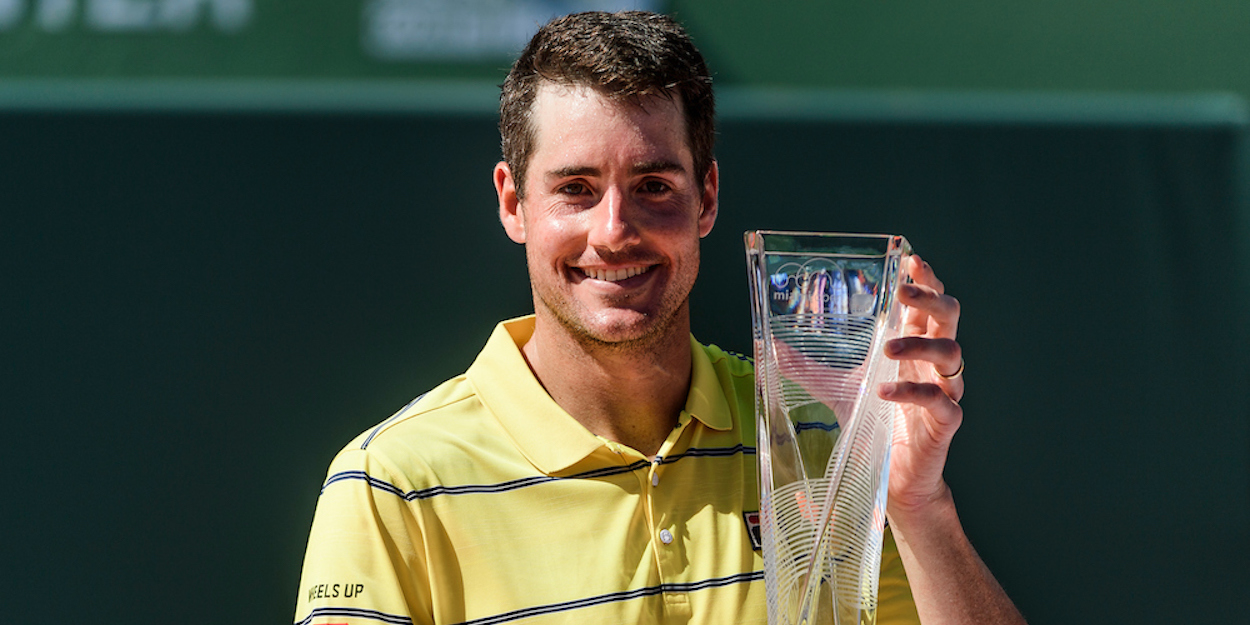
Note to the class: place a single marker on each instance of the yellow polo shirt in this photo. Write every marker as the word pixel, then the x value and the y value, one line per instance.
pixel 484 502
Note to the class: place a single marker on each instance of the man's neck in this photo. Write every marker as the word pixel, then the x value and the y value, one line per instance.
pixel 630 394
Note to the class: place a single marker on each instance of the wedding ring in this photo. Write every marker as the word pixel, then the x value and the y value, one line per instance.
pixel 954 375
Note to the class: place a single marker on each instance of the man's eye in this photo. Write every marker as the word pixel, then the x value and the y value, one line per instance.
pixel 654 187
pixel 573 188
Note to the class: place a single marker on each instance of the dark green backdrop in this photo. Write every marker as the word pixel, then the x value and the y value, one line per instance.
pixel 200 307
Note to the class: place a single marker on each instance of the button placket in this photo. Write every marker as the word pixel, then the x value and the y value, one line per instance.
pixel 665 535
pixel 665 529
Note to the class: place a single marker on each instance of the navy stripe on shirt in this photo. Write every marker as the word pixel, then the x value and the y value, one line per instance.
pixel 469 489
pixel 372 615
pixel 802 426
pixel 626 595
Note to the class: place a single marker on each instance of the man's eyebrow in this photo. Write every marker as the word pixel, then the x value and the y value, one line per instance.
pixel 572 172
pixel 658 167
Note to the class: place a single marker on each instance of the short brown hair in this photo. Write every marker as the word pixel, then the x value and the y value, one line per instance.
pixel 626 56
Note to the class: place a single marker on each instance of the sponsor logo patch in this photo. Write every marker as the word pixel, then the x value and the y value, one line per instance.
pixel 752 519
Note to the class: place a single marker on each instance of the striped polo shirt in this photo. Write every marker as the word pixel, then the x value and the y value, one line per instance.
pixel 483 502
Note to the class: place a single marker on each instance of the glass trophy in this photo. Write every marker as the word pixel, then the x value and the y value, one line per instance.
pixel 823 306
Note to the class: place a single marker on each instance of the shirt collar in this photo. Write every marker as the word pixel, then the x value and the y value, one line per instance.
pixel 706 401
pixel 545 434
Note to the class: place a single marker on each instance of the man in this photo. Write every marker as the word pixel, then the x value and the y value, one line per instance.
pixel 595 464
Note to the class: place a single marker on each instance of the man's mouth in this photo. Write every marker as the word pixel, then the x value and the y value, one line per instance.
pixel 613 275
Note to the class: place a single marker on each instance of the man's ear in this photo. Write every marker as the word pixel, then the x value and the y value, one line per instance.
pixel 711 195
pixel 509 206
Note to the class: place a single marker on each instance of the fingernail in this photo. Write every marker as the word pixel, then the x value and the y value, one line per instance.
pixel 889 388
pixel 893 348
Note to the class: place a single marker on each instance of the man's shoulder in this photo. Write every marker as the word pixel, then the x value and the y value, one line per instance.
pixel 415 446
pixel 438 410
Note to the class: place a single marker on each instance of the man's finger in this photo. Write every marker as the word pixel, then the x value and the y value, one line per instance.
pixel 945 415
pixel 944 354
pixel 943 307
pixel 921 272
pixel 944 357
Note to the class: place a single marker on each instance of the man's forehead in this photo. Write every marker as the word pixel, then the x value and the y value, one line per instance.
pixel 566 118
pixel 580 99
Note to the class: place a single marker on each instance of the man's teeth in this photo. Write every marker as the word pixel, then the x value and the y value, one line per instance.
pixel 614 275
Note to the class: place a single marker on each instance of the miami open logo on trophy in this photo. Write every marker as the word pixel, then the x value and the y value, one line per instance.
pixel 823 306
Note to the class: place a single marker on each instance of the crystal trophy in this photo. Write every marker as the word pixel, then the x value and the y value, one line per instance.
pixel 823 306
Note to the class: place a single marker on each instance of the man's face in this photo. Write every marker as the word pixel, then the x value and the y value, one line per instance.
pixel 612 214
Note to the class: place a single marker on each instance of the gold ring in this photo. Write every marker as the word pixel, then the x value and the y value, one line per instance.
pixel 953 375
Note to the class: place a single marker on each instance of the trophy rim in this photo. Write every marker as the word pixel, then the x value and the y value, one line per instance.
pixel 895 243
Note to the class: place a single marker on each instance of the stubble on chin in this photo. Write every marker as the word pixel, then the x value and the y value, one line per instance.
pixel 640 334
pixel 643 336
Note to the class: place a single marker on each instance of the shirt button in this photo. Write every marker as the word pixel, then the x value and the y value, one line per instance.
pixel 666 536
pixel 655 479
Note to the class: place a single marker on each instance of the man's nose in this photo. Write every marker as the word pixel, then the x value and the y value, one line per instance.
pixel 613 226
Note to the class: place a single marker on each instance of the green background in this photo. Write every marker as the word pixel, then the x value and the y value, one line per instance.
pixel 1065 45
pixel 224 256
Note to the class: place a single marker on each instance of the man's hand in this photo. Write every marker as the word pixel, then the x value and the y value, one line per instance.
pixel 929 389
pixel 950 583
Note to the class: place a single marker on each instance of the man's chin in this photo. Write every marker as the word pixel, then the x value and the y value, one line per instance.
pixel 618 329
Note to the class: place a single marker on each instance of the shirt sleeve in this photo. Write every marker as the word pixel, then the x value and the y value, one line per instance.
pixel 365 560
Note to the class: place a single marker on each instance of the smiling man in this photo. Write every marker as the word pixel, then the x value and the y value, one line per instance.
pixel 611 219
pixel 596 464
